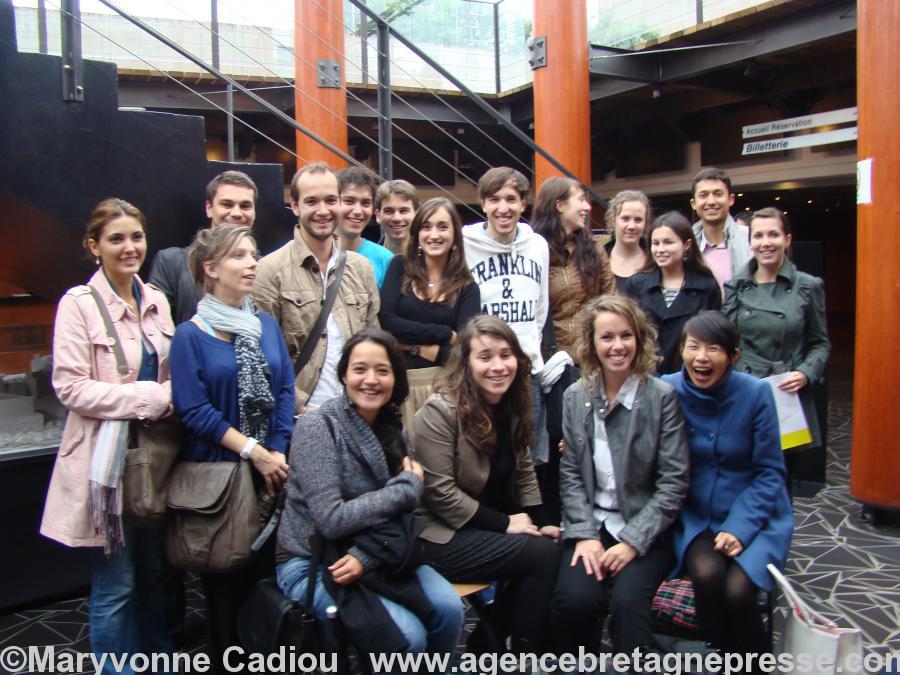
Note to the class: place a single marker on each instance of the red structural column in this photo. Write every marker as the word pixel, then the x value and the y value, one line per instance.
pixel 875 463
pixel 319 34
pixel 562 123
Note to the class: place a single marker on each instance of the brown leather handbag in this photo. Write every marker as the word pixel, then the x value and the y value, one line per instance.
pixel 148 463
pixel 214 516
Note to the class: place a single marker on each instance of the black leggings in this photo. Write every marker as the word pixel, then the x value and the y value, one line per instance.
pixel 523 605
pixel 727 612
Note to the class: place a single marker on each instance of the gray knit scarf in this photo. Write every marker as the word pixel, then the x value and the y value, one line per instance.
pixel 254 378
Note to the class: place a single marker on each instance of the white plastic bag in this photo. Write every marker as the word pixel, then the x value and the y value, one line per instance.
pixel 809 636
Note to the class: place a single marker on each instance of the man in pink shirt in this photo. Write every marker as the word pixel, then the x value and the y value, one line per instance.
pixel 725 244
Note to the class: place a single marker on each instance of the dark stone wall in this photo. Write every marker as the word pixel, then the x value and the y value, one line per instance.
pixel 58 159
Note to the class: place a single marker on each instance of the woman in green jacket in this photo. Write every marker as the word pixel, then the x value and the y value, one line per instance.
pixel 779 312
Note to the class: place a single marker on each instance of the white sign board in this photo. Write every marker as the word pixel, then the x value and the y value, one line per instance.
pixel 804 141
pixel 800 123
pixel 864 181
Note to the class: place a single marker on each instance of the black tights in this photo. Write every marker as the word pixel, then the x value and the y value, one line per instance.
pixel 727 612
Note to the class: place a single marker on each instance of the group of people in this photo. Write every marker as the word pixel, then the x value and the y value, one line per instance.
pixel 405 426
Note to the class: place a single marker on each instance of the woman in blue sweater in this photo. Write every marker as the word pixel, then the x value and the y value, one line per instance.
pixel 737 517
pixel 234 391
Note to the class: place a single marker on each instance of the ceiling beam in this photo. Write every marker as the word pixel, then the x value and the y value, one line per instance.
pixel 617 75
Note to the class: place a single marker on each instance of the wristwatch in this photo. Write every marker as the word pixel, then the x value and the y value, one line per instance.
pixel 248 448
pixel 413 350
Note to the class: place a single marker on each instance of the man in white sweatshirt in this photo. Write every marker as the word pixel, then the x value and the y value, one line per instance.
pixel 511 263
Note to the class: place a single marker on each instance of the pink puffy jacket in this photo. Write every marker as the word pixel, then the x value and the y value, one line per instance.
pixel 88 385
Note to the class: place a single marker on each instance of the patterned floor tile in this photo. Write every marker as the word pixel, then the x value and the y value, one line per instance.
pixel 845 568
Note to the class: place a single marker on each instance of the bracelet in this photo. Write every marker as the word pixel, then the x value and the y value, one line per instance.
pixel 248 448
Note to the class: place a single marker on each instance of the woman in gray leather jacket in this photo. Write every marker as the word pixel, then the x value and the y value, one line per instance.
pixel 623 478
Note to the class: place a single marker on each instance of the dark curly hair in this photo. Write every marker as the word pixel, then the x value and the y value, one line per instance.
pixel 458 385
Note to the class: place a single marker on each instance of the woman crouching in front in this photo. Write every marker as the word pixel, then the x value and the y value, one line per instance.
pixel 482 505
pixel 737 517
pixel 354 482
pixel 623 477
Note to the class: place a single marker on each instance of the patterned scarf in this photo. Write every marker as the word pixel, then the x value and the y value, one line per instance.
pixel 254 378
pixel 105 480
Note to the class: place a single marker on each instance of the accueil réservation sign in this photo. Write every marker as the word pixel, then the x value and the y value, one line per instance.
pixel 803 123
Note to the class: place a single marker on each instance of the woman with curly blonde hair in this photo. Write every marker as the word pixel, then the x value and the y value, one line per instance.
pixel 481 505
pixel 623 478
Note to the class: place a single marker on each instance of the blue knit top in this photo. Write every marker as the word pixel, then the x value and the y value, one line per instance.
pixel 205 394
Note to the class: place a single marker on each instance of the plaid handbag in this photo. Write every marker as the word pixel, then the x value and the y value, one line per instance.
pixel 673 607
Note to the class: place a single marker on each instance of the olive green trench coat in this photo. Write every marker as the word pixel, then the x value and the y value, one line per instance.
pixel 781 328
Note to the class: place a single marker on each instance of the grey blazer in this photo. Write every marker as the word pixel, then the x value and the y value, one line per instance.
pixel 456 471
pixel 650 460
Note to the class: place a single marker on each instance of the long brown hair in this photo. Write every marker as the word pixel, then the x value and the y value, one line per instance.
pixel 547 223
pixel 680 225
pixel 458 385
pixel 456 272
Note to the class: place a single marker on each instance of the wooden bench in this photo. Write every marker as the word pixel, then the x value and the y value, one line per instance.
pixel 471 594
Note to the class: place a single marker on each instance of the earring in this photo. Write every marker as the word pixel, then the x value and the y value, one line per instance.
pixel 419 250
pixel 97 261
pixel 453 247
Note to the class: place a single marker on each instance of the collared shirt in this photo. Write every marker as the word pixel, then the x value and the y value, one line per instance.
pixel 606 506
pixel 728 258
pixel 328 386
pixel 718 259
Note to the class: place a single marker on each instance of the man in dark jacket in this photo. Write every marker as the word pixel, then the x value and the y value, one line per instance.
pixel 230 198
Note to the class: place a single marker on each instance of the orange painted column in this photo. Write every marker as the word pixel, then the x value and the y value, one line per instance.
pixel 562 122
pixel 875 461
pixel 319 34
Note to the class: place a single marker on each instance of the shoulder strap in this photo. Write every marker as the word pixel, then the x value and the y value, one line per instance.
pixel 310 343
pixel 121 363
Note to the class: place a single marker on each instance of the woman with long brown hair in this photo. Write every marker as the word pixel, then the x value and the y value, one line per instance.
pixel 481 504
pixel 579 267
pixel 428 295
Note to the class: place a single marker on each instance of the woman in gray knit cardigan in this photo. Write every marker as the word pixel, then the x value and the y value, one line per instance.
pixel 352 471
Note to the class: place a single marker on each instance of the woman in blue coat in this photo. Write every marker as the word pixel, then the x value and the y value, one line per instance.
pixel 737 517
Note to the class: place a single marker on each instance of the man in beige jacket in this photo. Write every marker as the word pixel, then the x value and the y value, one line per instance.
pixel 291 284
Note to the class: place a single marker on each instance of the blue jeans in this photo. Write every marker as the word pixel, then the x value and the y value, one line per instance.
pixel 126 610
pixel 441 637
pixel 540 449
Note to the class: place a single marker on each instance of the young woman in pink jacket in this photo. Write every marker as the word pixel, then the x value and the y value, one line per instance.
pixel 83 506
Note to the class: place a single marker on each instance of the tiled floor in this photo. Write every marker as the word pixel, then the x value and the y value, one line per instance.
pixel 848 569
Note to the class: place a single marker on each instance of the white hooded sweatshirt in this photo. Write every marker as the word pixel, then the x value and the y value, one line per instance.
pixel 513 281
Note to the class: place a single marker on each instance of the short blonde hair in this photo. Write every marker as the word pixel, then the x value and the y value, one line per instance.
pixel 210 246
pixel 645 358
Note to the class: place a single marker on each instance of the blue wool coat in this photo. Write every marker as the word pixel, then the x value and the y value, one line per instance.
pixel 737 478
